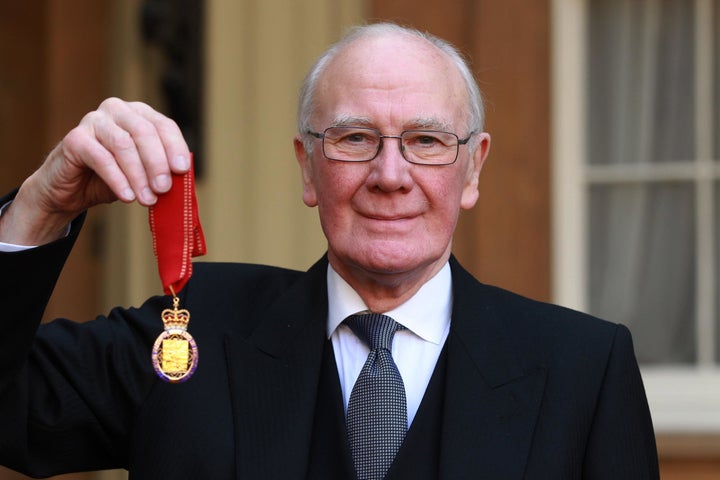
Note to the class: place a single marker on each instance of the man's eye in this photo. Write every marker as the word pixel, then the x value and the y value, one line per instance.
pixel 426 140
pixel 355 138
pixel 423 141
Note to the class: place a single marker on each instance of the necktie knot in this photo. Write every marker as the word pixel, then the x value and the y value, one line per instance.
pixel 375 329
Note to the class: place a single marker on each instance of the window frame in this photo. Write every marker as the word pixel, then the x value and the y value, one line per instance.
pixel 683 399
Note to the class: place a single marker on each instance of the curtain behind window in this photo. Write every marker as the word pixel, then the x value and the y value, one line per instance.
pixel 642 230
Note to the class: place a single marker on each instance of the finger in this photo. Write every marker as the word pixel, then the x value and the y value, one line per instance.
pixel 139 158
pixel 84 151
pixel 171 137
pixel 144 139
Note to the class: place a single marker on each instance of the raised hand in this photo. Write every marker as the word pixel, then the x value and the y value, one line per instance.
pixel 122 150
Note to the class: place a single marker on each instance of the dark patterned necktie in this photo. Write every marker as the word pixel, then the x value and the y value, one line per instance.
pixel 377 411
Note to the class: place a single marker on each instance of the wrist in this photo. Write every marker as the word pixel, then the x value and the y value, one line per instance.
pixel 23 223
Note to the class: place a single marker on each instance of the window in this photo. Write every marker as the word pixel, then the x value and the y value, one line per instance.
pixel 637 188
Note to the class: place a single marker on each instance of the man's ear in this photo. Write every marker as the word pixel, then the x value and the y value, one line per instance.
pixel 470 193
pixel 306 170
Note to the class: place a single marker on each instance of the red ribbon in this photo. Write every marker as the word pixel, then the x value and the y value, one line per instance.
pixel 176 232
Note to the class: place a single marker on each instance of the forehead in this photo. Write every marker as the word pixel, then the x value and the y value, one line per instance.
pixel 392 79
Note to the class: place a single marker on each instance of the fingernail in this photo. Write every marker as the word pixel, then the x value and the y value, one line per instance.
pixel 148 196
pixel 182 162
pixel 162 183
pixel 128 195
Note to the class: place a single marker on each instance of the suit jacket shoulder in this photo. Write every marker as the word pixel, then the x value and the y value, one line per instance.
pixel 539 331
pixel 542 390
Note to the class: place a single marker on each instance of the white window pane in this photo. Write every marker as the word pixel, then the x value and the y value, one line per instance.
pixel 717 274
pixel 641 81
pixel 642 266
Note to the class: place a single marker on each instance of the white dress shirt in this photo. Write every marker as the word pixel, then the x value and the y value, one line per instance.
pixel 415 350
pixel 11 247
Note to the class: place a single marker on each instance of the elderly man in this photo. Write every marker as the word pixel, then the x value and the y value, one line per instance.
pixel 385 360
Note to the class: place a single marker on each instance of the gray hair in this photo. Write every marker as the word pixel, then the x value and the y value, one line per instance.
pixel 306 103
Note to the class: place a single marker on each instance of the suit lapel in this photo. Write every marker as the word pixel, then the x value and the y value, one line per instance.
pixel 274 376
pixel 491 400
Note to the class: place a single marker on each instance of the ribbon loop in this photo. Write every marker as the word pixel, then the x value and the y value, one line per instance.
pixel 176 232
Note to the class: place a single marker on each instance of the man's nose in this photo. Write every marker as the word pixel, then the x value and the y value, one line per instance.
pixel 390 171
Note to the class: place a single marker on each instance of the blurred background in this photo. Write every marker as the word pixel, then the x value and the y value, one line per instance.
pixel 601 193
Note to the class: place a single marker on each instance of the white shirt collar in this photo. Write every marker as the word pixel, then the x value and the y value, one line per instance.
pixel 427 313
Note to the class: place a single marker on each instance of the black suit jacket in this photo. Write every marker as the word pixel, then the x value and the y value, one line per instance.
pixel 533 391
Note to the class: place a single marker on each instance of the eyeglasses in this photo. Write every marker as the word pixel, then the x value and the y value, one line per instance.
pixel 360 144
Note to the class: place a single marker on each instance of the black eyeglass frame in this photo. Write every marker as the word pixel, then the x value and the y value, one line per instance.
pixel 463 141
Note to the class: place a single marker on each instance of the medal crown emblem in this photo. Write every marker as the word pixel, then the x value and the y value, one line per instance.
pixel 175 318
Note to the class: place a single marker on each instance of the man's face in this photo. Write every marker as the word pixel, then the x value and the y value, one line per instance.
pixel 388 217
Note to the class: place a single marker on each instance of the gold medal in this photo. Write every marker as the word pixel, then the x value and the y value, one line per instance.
pixel 175 353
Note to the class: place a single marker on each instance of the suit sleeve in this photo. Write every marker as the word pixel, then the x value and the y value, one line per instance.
pixel 27 279
pixel 622 442
pixel 68 391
